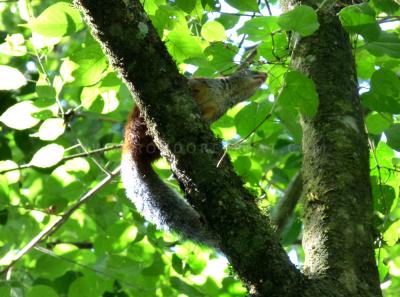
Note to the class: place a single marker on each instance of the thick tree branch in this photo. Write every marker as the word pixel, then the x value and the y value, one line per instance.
pixel 337 238
pixel 136 51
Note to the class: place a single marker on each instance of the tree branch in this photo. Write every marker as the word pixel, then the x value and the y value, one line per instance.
pixel 74 156
pixel 287 203
pixel 246 237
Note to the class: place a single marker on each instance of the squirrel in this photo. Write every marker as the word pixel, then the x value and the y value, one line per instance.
pixel 157 202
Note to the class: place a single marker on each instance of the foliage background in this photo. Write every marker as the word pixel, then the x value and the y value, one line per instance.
pixel 60 101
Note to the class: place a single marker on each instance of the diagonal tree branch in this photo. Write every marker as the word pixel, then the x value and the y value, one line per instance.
pixel 136 51
pixel 57 223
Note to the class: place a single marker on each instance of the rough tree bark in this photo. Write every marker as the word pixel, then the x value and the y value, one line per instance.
pixel 335 137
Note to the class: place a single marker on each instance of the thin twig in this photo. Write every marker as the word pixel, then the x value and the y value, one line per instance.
pixel 268 7
pixel 84 154
pixel 236 14
pixel 93 159
pixel 56 224
pixel 243 139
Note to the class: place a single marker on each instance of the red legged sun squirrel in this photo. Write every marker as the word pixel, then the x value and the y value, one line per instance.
pixel 157 202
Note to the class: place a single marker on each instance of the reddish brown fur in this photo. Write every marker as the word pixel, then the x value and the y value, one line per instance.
pixel 137 142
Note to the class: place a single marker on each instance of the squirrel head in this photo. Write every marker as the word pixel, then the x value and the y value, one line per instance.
pixel 245 83
pixel 216 95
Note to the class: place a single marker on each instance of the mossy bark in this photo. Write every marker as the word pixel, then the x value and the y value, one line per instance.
pixel 335 158
pixel 338 229
pixel 246 238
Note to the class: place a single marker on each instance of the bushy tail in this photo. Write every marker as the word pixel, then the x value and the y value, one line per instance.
pixel 157 202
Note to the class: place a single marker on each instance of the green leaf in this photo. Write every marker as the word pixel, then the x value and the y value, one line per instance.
pixel 177 264
pixel 386 83
pixel 259 28
pixel 360 19
pixel 92 65
pixel 184 287
pixel 19 116
pixel 302 19
pixel 57 20
pixel 213 31
pixel 386 44
pixel 250 116
pixel 243 5
pixel 12 176
pixel 181 46
pixel 380 102
pixel 102 97
pixel 85 286
pixel 50 267
pixel 186 5
pixel 220 55
pixel 365 64
pixel 14 45
pixel 48 156
pixel 41 291
pixel 11 78
pixel 377 123
pixel 43 89
pixel 78 166
pixel 392 234
pixel 228 21
pixel 274 47
pixel 51 129
pixel 393 137
pixel 384 156
pixel 299 91
pixel 388 6
pixel 383 196
pixel 156 268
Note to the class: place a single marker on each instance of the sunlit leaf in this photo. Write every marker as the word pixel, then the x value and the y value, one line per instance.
pixel 48 156
pixel 182 46
pixel 51 129
pixel 392 234
pixel 77 165
pixel 213 31
pixel 89 66
pixel 12 176
pixel 14 45
pixel 11 78
pixel 57 20
pixel 19 116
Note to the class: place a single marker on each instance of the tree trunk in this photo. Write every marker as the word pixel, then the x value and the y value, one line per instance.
pixel 338 229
